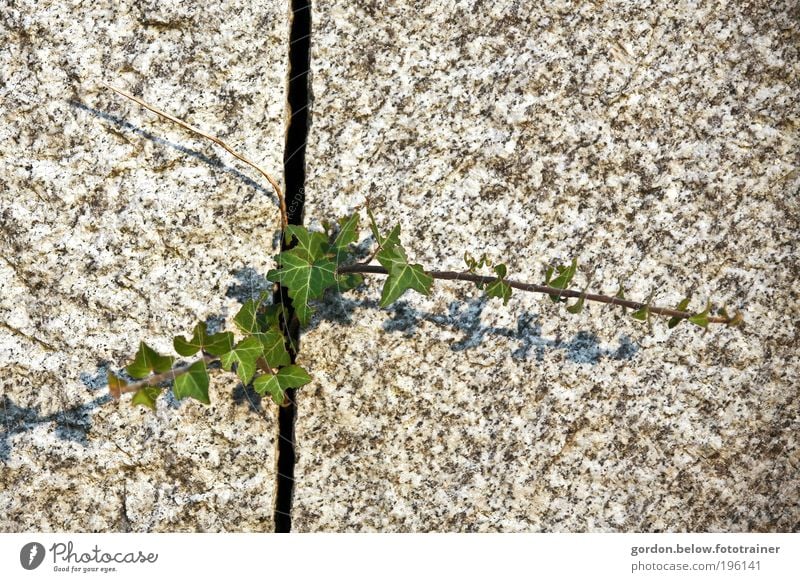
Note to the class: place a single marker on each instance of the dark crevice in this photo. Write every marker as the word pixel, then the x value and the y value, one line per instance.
pixel 294 171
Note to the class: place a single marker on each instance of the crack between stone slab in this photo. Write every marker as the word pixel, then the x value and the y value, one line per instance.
pixel 294 160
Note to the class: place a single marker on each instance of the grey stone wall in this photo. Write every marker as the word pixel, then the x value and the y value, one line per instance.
pixel 654 141
pixel 117 227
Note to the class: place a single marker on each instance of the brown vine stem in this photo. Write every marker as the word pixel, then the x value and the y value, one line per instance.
pixel 216 140
pixel 156 379
pixel 533 288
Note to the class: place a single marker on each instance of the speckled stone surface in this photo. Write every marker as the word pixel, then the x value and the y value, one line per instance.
pixel 655 141
pixel 117 227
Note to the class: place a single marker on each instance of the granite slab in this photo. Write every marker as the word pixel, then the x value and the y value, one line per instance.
pixel 119 227
pixel 657 142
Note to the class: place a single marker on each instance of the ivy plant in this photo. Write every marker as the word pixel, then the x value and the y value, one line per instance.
pixel 315 262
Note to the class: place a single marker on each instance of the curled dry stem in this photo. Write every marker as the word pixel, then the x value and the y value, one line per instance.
pixel 216 140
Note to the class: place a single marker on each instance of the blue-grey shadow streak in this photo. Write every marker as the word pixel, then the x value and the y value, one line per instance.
pixel 465 317
pixel 211 161
pixel 71 424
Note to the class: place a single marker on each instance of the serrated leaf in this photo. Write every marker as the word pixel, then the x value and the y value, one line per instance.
pixel 276 384
pixel 273 348
pixel 146 396
pixel 681 307
pixel 115 385
pixel 563 278
pixel 304 280
pixel 309 245
pixel 216 344
pixel 244 355
pixel 193 383
pixel 148 360
pixel 403 277
pixel 500 289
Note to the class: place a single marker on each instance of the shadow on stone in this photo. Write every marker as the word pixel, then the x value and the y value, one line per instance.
pixel 214 162
pixel 584 347
pixel 73 423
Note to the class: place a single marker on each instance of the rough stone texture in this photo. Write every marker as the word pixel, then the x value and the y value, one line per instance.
pixel 117 227
pixel 657 142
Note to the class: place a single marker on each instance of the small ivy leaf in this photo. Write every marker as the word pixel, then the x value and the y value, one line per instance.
pixel 273 348
pixel 276 384
pixel 269 316
pixel 403 277
pixel 562 280
pixel 244 355
pixel 348 232
pixel 701 319
pixel 500 289
pixel 193 383
pixel 146 396
pixel 115 385
pixel 469 260
pixel 247 317
pixel 348 281
pixel 577 307
pixel 309 244
pixel 392 255
pixel 304 280
pixel 148 360
pixel 293 377
pixel 548 272
pixel 501 270
pixel 216 344
pixel 643 313
pixel 681 307
pixel 621 295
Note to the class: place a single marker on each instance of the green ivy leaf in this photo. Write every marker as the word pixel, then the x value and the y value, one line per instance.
pixel 501 270
pixel 348 281
pixel 148 360
pixel 621 295
pixel 577 307
pixel 348 232
pixel 246 319
pixel 193 383
pixel 681 307
pixel 146 396
pixel 276 384
pixel 273 348
pixel 701 319
pixel 643 313
pixel 309 245
pixel 563 278
pixel 244 355
pixel 403 277
pixel 304 280
pixel 216 344
pixel 500 289
pixel 392 239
